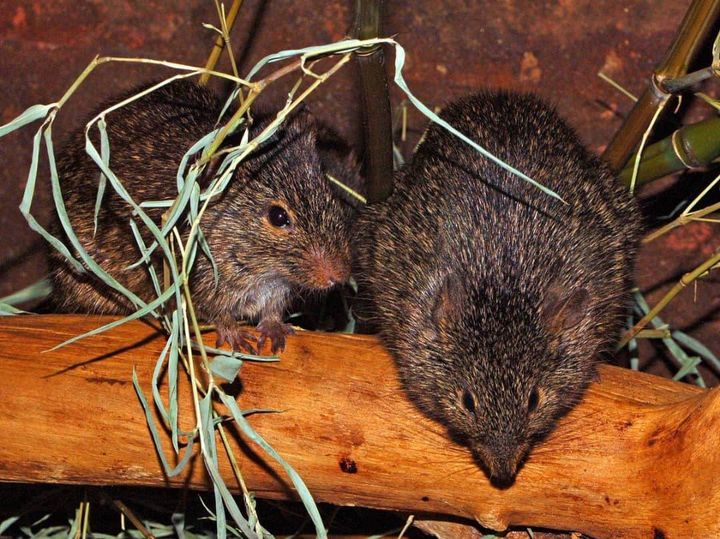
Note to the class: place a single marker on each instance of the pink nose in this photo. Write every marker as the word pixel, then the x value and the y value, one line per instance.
pixel 330 270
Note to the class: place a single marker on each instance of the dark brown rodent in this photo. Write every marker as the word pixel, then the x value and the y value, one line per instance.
pixel 496 299
pixel 279 228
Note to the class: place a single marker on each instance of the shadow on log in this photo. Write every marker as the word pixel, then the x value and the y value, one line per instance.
pixel 637 458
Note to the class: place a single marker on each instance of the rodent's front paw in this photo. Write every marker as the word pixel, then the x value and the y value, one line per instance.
pixel 238 338
pixel 276 331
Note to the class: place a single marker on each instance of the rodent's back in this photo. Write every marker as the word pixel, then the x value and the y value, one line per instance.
pixel 495 298
pixel 150 134
pixel 148 138
pixel 456 207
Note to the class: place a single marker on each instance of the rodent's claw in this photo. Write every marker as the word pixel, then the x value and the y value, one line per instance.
pixel 276 331
pixel 238 338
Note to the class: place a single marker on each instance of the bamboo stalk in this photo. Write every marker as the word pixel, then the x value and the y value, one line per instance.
pixel 667 298
pixel 124 510
pixel 377 117
pixel 691 146
pixel 699 20
pixel 684 82
pixel 682 221
pixel 219 45
pixel 632 460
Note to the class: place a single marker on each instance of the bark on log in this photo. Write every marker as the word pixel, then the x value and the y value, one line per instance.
pixel 637 458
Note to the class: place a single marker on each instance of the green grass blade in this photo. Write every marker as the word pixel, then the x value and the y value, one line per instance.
pixel 237 355
pixel 633 347
pixel 31 114
pixel 697 347
pixel 232 99
pixel 173 377
pixel 354 44
pixel 67 226
pixel 226 367
pixel 102 181
pixel 686 363
pixel 154 384
pixel 688 368
pixel 201 239
pixel 115 323
pixel 26 205
pixel 212 468
pixel 297 481
pixel 171 472
pixel 145 256
pixel 345 45
pixel 400 81
pixel 5 524
pixel 38 290
pixel 147 221
pixel 210 454
pixel 186 181
pixel 9 310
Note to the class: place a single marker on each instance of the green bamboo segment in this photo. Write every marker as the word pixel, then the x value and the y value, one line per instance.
pixel 698 22
pixel 691 146
pixel 377 117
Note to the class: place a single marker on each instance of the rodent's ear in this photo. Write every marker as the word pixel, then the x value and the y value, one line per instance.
pixel 447 300
pixel 564 309
pixel 340 161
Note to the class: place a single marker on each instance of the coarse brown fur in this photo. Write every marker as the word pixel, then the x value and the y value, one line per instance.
pixel 260 266
pixel 496 299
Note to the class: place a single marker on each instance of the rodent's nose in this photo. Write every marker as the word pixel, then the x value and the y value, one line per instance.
pixel 501 464
pixel 503 478
pixel 328 270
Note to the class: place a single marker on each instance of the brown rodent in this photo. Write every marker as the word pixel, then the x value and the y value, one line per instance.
pixel 279 229
pixel 496 299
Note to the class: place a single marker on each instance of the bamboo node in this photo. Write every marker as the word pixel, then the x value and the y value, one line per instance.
pixel 368 51
pixel 681 153
pixel 656 87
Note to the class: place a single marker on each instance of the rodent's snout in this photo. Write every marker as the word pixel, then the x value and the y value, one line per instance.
pixel 327 270
pixel 501 466
pixel 503 478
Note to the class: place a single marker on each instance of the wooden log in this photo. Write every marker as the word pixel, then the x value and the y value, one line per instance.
pixel 637 458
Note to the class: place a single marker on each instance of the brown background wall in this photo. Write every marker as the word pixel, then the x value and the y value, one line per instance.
pixel 454 47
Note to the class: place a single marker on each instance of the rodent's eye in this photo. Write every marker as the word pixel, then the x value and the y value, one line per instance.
pixel 468 401
pixel 278 216
pixel 533 400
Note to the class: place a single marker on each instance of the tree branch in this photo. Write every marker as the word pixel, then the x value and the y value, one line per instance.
pixel 635 459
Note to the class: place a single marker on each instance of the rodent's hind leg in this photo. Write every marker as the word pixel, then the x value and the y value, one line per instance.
pixel 231 332
pixel 275 330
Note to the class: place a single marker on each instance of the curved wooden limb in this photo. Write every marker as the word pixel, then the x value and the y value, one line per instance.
pixel 637 458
